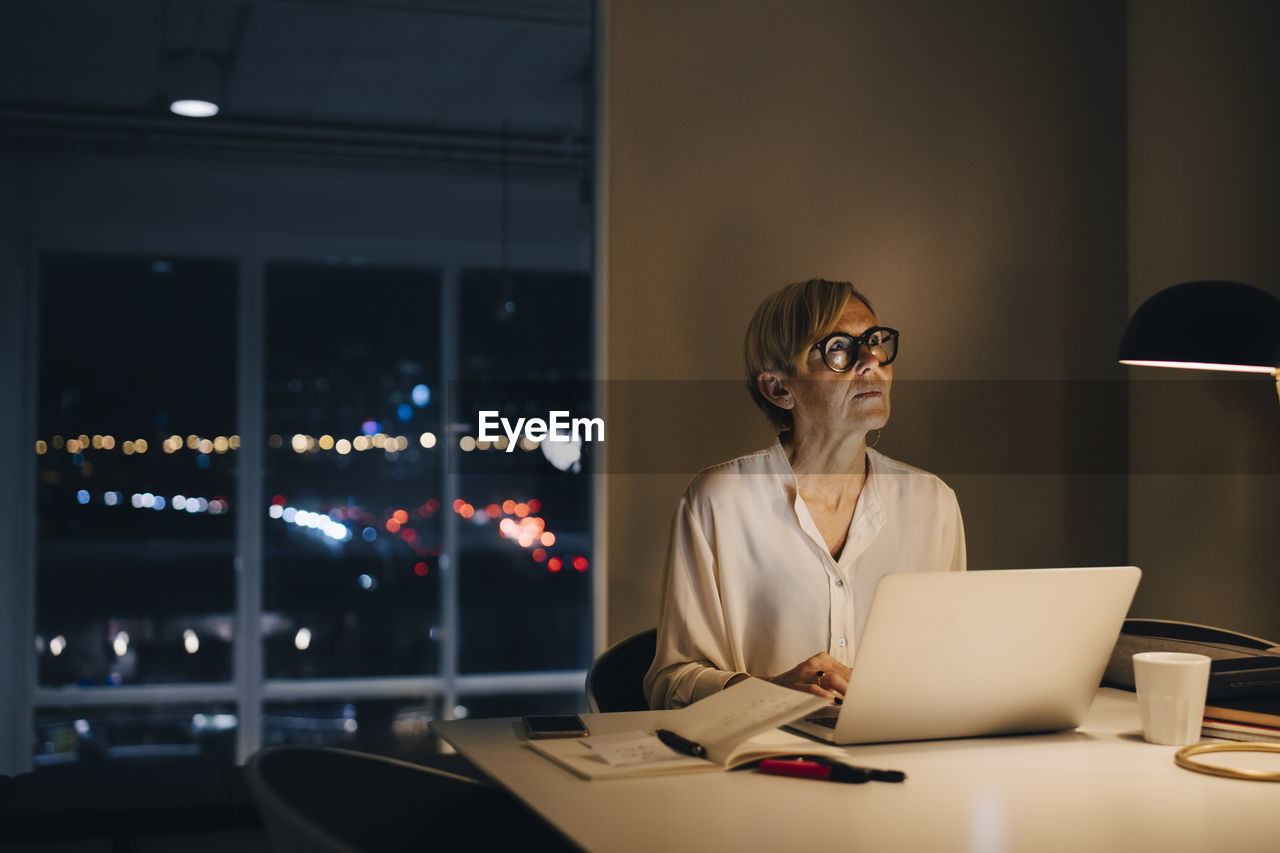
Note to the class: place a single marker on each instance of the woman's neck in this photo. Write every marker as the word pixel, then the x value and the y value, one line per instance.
pixel 829 471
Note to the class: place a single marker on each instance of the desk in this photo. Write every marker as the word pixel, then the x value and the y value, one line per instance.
pixel 1099 788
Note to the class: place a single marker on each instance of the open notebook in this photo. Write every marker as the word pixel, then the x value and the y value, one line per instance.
pixel 737 726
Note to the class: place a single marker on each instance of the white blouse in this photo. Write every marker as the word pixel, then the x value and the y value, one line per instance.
pixel 751 586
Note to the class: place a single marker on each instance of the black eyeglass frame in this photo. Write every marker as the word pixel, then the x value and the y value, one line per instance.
pixel 857 342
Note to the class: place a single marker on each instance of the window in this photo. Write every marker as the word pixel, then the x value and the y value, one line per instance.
pixel 409 568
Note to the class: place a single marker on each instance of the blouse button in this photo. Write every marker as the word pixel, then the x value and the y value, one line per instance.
pixel 839 582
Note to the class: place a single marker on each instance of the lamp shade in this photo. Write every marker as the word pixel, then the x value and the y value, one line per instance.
pixel 1206 325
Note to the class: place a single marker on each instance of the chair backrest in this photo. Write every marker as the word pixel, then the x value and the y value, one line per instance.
pixel 330 800
pixel 615 681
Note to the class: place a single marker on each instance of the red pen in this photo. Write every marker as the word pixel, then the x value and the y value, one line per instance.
pixel 834 772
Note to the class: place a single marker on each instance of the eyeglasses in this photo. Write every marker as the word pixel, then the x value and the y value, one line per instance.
pixel 840 350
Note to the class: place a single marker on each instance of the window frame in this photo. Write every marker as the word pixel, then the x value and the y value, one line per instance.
pixel 247 688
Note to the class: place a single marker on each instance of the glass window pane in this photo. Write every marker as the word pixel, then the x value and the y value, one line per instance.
pixel 135 734
pixel 352 542
pixel 525 554
pixel 397 728
pixel 136 456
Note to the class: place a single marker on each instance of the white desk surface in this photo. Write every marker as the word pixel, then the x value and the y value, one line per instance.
pixel 1099 788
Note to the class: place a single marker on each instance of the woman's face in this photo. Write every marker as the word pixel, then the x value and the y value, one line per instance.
pixel 854 401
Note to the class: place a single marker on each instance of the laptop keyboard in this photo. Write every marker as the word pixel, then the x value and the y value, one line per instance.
pixel 826 717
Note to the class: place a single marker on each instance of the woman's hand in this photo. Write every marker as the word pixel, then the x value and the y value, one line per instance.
pixel 821 675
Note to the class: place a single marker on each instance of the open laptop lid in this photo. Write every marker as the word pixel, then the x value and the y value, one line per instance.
pixel 961 654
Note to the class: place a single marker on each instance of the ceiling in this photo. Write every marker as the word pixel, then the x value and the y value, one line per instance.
pixel 479 82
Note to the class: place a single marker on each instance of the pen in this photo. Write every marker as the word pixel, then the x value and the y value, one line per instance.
pixel 680 744
pixel 829 772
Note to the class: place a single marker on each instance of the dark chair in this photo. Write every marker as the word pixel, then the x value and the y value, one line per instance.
pixel 615 680
pixel 326 800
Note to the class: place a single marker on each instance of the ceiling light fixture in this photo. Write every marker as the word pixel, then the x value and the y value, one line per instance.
pixel 195 83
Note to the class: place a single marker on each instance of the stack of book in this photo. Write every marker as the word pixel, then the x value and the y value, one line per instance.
pixel 1255 718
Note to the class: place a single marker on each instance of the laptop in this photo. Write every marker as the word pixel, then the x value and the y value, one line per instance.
pixel 969 654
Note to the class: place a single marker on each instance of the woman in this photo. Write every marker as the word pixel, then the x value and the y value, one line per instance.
pixel 775 555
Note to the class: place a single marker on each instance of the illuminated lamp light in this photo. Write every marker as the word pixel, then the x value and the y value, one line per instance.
pixel 193 440
pixel 420 569
pixel 458 504
pixel 467 444
pixel 535 505
pixel 580 563
pixel 120 644
pixel 108 442
pixel 421 395
pixel 555 564
pixel 342 446
pixel 507 528
pixel 205 447
pixel 1206 325
pixel 190 641
pixel 547 539
pixel 509 507
pixel 302 639
pixel 127 447
pixel 379 440
pixel 539 555
pixel 404 412
pixel 82 497
pixel 140 446
pixel 493 510
pixel 275 511
pixel 370 427
pixel 298 443
pixel 221 445
pixel 522 510
pixel 41 448
pixel 233 442
pixel 393 526
pixel 194 83
pixel 57 645
pixel 467 511
pixel 278 500
pixel 401 516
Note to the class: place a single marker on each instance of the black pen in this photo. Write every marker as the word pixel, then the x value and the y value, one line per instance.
pixel 833 772
pixel 680 744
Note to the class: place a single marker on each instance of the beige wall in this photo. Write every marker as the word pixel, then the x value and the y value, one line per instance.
pixel 964 163
pixel 1204 130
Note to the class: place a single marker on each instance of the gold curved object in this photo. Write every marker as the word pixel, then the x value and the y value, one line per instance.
pixel 1183 759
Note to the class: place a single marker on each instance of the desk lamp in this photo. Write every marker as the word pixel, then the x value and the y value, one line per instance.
pixel 1206 325
pixel 1209 325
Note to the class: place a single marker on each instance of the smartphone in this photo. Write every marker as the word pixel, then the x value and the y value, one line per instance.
pixel 554 725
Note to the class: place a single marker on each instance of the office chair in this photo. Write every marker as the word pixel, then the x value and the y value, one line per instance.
pixel 615 680
pixel 327 800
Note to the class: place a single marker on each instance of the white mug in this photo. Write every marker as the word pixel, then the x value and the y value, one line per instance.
pixel 1171 691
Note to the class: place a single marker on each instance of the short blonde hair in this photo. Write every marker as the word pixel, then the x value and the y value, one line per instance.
pixel 783 328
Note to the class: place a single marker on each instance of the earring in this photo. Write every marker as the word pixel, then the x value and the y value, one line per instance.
pixel 877 441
